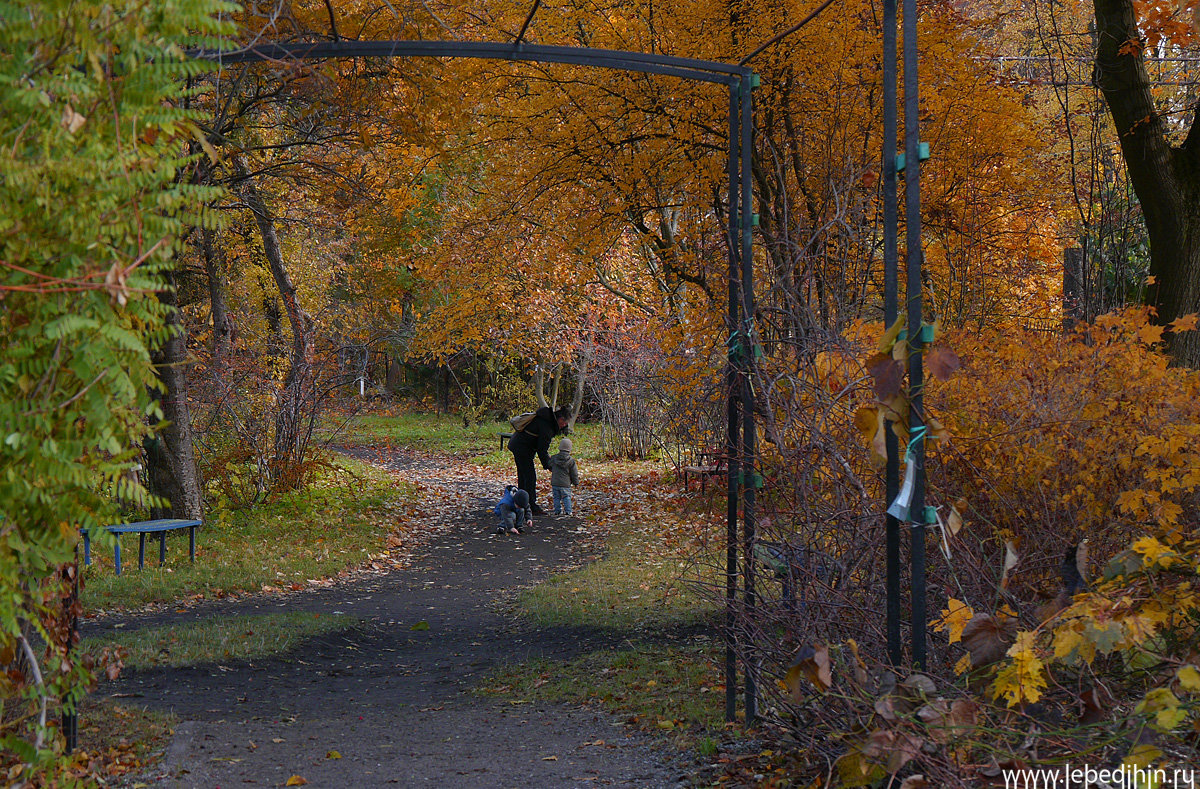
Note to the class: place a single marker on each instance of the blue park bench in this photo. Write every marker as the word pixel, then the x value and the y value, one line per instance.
pixel 160 526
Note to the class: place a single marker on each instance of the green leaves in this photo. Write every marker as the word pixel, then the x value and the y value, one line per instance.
pixel 89 213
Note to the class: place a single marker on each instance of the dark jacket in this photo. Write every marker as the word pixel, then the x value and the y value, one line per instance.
pixel 515 501
pixel 536 437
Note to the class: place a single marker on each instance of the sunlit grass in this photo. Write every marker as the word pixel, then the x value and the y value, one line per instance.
pixel 445 433
pixel 216 639
pixel 311 534
pixel 674 689
pixel 637 583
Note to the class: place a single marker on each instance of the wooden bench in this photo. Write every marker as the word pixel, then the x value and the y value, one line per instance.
pixel 160 526
pixel 709 464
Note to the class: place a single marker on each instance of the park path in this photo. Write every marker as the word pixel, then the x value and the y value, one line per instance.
pixel 396 703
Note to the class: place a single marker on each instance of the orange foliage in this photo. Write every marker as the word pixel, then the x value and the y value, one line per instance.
pixel 1059 438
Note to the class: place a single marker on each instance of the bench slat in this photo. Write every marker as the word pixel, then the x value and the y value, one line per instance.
pixel 162 524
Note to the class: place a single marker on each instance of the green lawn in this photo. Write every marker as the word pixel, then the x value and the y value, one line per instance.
pixel 332 526
pixel 445 434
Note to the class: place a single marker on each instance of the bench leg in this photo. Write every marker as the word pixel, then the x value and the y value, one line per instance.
pixel 192 543
pixel 141 550
pixel 87 549
pixel 162 548
pixel 117 552
pixel 789 594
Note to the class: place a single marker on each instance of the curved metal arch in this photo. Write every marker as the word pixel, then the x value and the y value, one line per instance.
pixel 685 68
pixel 741 81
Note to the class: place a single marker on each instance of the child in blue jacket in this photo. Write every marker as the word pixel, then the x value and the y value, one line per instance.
pixel 514 512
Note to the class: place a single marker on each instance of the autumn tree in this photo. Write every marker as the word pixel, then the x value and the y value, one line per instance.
pixel 1161 152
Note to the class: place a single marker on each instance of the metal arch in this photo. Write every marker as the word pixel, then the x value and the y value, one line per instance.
pixel 686 68
pixel 741 81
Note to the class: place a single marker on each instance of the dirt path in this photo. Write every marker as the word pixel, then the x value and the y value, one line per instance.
pixel 394 702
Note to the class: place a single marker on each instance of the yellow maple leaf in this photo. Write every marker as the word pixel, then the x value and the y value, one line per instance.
pixel 954 618
pixel 1067 641
pixel 1150 334
pixel 1151 550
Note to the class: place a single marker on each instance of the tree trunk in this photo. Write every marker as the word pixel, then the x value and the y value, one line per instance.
pixel 1166 179
pixel 297 385
pixel 222 327
pixel 577 399
pixel 171 465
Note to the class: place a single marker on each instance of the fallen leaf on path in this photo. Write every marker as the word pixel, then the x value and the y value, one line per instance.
pixel 549 758
pixel 295 780
pixel 333 755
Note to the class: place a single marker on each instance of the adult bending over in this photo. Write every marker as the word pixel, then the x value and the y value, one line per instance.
pixel 535 439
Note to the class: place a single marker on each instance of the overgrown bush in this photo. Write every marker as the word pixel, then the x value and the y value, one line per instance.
pixel 90 213
pixel 1055 447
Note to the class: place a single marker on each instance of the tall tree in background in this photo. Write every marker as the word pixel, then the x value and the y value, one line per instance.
pixel 1161 154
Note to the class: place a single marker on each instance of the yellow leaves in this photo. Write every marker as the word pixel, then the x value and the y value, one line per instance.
pixel 296 780
pixel 888 340
pixel 1150 334
pixel 1068 643
pixel 1164 706
pixel 954 619
pixel 1189 678
pixel 833 370
pixel 1153 552
pixel 1023 677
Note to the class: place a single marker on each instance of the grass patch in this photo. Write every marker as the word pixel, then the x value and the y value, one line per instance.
pixel 444 433
pixel 315 533
pixel 667 689
pixel 638 583
pixel 223 638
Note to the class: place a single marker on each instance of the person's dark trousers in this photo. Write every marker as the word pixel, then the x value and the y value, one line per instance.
pixel 526 475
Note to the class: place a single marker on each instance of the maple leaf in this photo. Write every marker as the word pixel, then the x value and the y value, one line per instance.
pixel 954 619
pixel 1185 323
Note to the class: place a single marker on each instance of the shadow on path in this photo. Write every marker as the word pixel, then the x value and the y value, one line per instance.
pixel 397 703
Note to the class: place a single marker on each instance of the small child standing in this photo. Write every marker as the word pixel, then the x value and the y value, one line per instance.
pixel 563 474
pixel 513 509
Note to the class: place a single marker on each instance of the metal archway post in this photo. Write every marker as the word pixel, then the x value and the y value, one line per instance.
pixel 740 444
pixel 916 338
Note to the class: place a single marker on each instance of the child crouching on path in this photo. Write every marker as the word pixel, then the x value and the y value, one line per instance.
pixel 563 474
pixel 513 510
